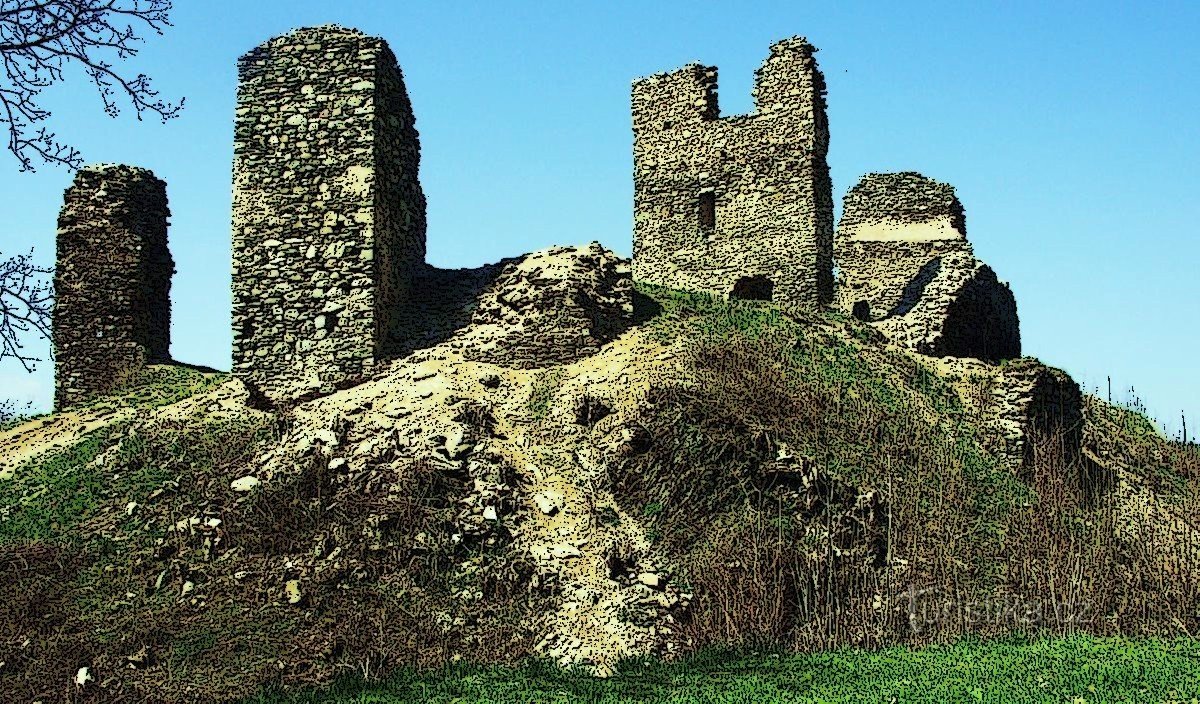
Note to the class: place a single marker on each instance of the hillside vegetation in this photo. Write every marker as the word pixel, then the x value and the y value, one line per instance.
pixel 722 474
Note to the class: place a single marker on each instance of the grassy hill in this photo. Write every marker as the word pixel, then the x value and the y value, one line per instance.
pixel 725 474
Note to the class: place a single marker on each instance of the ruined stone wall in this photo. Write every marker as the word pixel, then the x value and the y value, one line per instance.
pixel 1021 405
pixel 738 205
pixel 1032 402
pixel 893 226
pixel 905 264
pixel 328 212
pixel 112 281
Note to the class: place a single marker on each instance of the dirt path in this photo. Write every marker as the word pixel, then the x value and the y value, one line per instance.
pixel 54 432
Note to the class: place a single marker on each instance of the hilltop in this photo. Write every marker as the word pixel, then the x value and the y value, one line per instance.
pixel 717 472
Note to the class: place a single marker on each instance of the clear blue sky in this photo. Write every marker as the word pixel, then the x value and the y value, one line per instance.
pixel 1070 132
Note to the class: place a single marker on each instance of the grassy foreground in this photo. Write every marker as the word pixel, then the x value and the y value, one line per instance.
pixel 1078 669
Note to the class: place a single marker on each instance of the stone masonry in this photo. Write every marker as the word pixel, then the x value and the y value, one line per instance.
pixel 738 206
pixel 1024 407
pixel 905 265
pixel 112 312
pixel 328 213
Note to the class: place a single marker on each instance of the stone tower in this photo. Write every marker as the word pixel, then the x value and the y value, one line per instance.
pixel 905 264
pixel 328 214
pixel 112 282
pixel 738 206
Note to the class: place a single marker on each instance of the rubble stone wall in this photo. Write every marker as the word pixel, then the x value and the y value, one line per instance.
pixel 1018 404
pixel 328 213
pixel 112 281
pixel 905 265
pixel 1035 402
pixel 720 204
pixel 893 226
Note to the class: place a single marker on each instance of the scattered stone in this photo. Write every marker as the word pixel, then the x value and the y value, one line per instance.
pixel 244 484
pixel 142 658
pixel 564 550
pixel 651 580
pixel 458 445
pixel 292 589
pixel 548 502
pixel 82 677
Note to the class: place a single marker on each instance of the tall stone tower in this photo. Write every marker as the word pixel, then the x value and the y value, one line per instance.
pixel 112 282
pixel 328 214
pixel 738 206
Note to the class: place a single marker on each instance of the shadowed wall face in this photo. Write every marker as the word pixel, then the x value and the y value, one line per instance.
pixel 722 200
pixel 328 213
pixel 112 281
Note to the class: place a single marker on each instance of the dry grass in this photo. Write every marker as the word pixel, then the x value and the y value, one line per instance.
pixel 813 490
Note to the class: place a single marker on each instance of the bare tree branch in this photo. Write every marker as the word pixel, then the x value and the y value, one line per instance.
pixel 26 303
pixel 13 411
pixel 38 38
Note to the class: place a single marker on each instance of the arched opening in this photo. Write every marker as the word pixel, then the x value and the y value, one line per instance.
pixel 861 310
pixel 752 288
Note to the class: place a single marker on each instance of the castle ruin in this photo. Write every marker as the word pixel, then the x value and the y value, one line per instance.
pixel 906 266
pixel 328 213
pixel 738 206
pixel 328 233
pixel 112 282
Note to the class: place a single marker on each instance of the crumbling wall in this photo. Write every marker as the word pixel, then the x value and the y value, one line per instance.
pixel 328 212
pixel 1023 407
pixel 1033 402
pixel 552 306
pixel 905 264
pixel 730 205
pixel 112 281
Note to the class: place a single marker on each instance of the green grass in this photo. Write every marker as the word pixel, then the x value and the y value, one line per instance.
pixel 1076 669
pixel 158 385
pixel 51 494
pixel 544 387
pixel 49 497
pixel 54 492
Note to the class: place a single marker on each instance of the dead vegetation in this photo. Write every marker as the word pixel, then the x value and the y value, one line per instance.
pixel 785 482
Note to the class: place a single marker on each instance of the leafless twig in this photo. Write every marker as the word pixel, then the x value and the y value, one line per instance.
pixel 38 38
pixel 26 303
